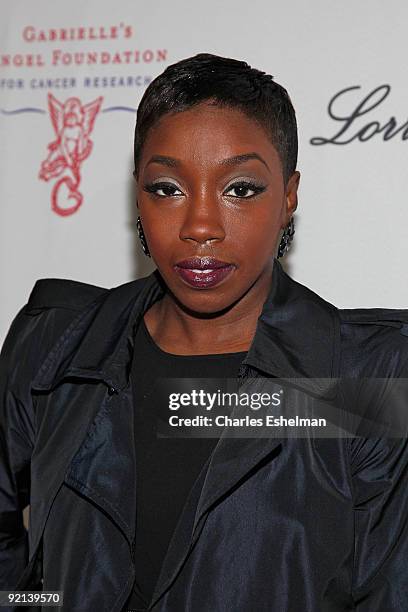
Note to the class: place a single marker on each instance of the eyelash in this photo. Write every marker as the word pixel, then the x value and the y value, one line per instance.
pixel 153 187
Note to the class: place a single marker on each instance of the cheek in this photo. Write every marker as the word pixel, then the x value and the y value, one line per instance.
pixel 159 231
pixel 257 230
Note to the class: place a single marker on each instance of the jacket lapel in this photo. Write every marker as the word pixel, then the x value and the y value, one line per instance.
pixel 297 336
pixel 230 464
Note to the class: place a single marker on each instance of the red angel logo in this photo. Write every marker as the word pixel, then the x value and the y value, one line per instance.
pixel 73 124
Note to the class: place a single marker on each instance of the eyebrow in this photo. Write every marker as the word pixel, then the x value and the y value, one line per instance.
pixel 172 162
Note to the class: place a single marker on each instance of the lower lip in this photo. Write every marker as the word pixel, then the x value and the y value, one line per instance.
pixel 204 279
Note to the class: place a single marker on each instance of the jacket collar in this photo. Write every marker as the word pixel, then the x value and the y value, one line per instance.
pixel 297 335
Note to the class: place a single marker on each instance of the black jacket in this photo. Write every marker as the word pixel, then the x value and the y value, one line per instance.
pixel 281 525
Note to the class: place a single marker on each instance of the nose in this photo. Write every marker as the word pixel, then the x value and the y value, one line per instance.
pixel 203 222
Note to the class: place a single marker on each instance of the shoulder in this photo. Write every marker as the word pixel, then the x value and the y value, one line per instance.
pixel 62 293
pixel 53 306
pixel 67 294
pixel 360 342
pixel 374 341
pixel 53 303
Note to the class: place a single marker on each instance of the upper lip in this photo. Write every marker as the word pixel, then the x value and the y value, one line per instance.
pixel 202 263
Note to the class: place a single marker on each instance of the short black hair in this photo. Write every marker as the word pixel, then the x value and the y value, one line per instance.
pixel 226 82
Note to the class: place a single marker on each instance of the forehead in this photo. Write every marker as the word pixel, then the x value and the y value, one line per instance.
pixel 206 133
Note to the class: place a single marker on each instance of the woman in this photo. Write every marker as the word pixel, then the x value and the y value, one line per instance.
pixel 121 519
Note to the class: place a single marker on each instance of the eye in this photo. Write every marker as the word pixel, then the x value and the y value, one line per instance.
pixel 167 189
pixel 245 186
pixel 240 187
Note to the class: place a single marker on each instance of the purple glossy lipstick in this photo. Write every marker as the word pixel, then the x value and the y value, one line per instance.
pixel 203 272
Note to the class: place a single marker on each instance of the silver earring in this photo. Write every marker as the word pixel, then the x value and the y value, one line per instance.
pixel 286 239
pixel 142 237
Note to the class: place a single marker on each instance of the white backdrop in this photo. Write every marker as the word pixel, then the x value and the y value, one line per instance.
pixel 350 244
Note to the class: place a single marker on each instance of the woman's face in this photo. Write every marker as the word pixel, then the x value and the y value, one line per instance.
pixel 211 186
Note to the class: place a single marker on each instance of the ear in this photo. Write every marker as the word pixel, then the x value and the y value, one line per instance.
pixel 291 198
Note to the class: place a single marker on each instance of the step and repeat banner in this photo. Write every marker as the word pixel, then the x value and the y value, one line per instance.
pixel 72 74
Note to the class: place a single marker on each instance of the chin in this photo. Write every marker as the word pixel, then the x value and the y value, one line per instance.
pixel 205 301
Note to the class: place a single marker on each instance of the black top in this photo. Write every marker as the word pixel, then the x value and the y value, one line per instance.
pixel 166 467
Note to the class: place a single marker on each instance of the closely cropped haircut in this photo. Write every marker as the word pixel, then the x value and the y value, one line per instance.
pixel 224 82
